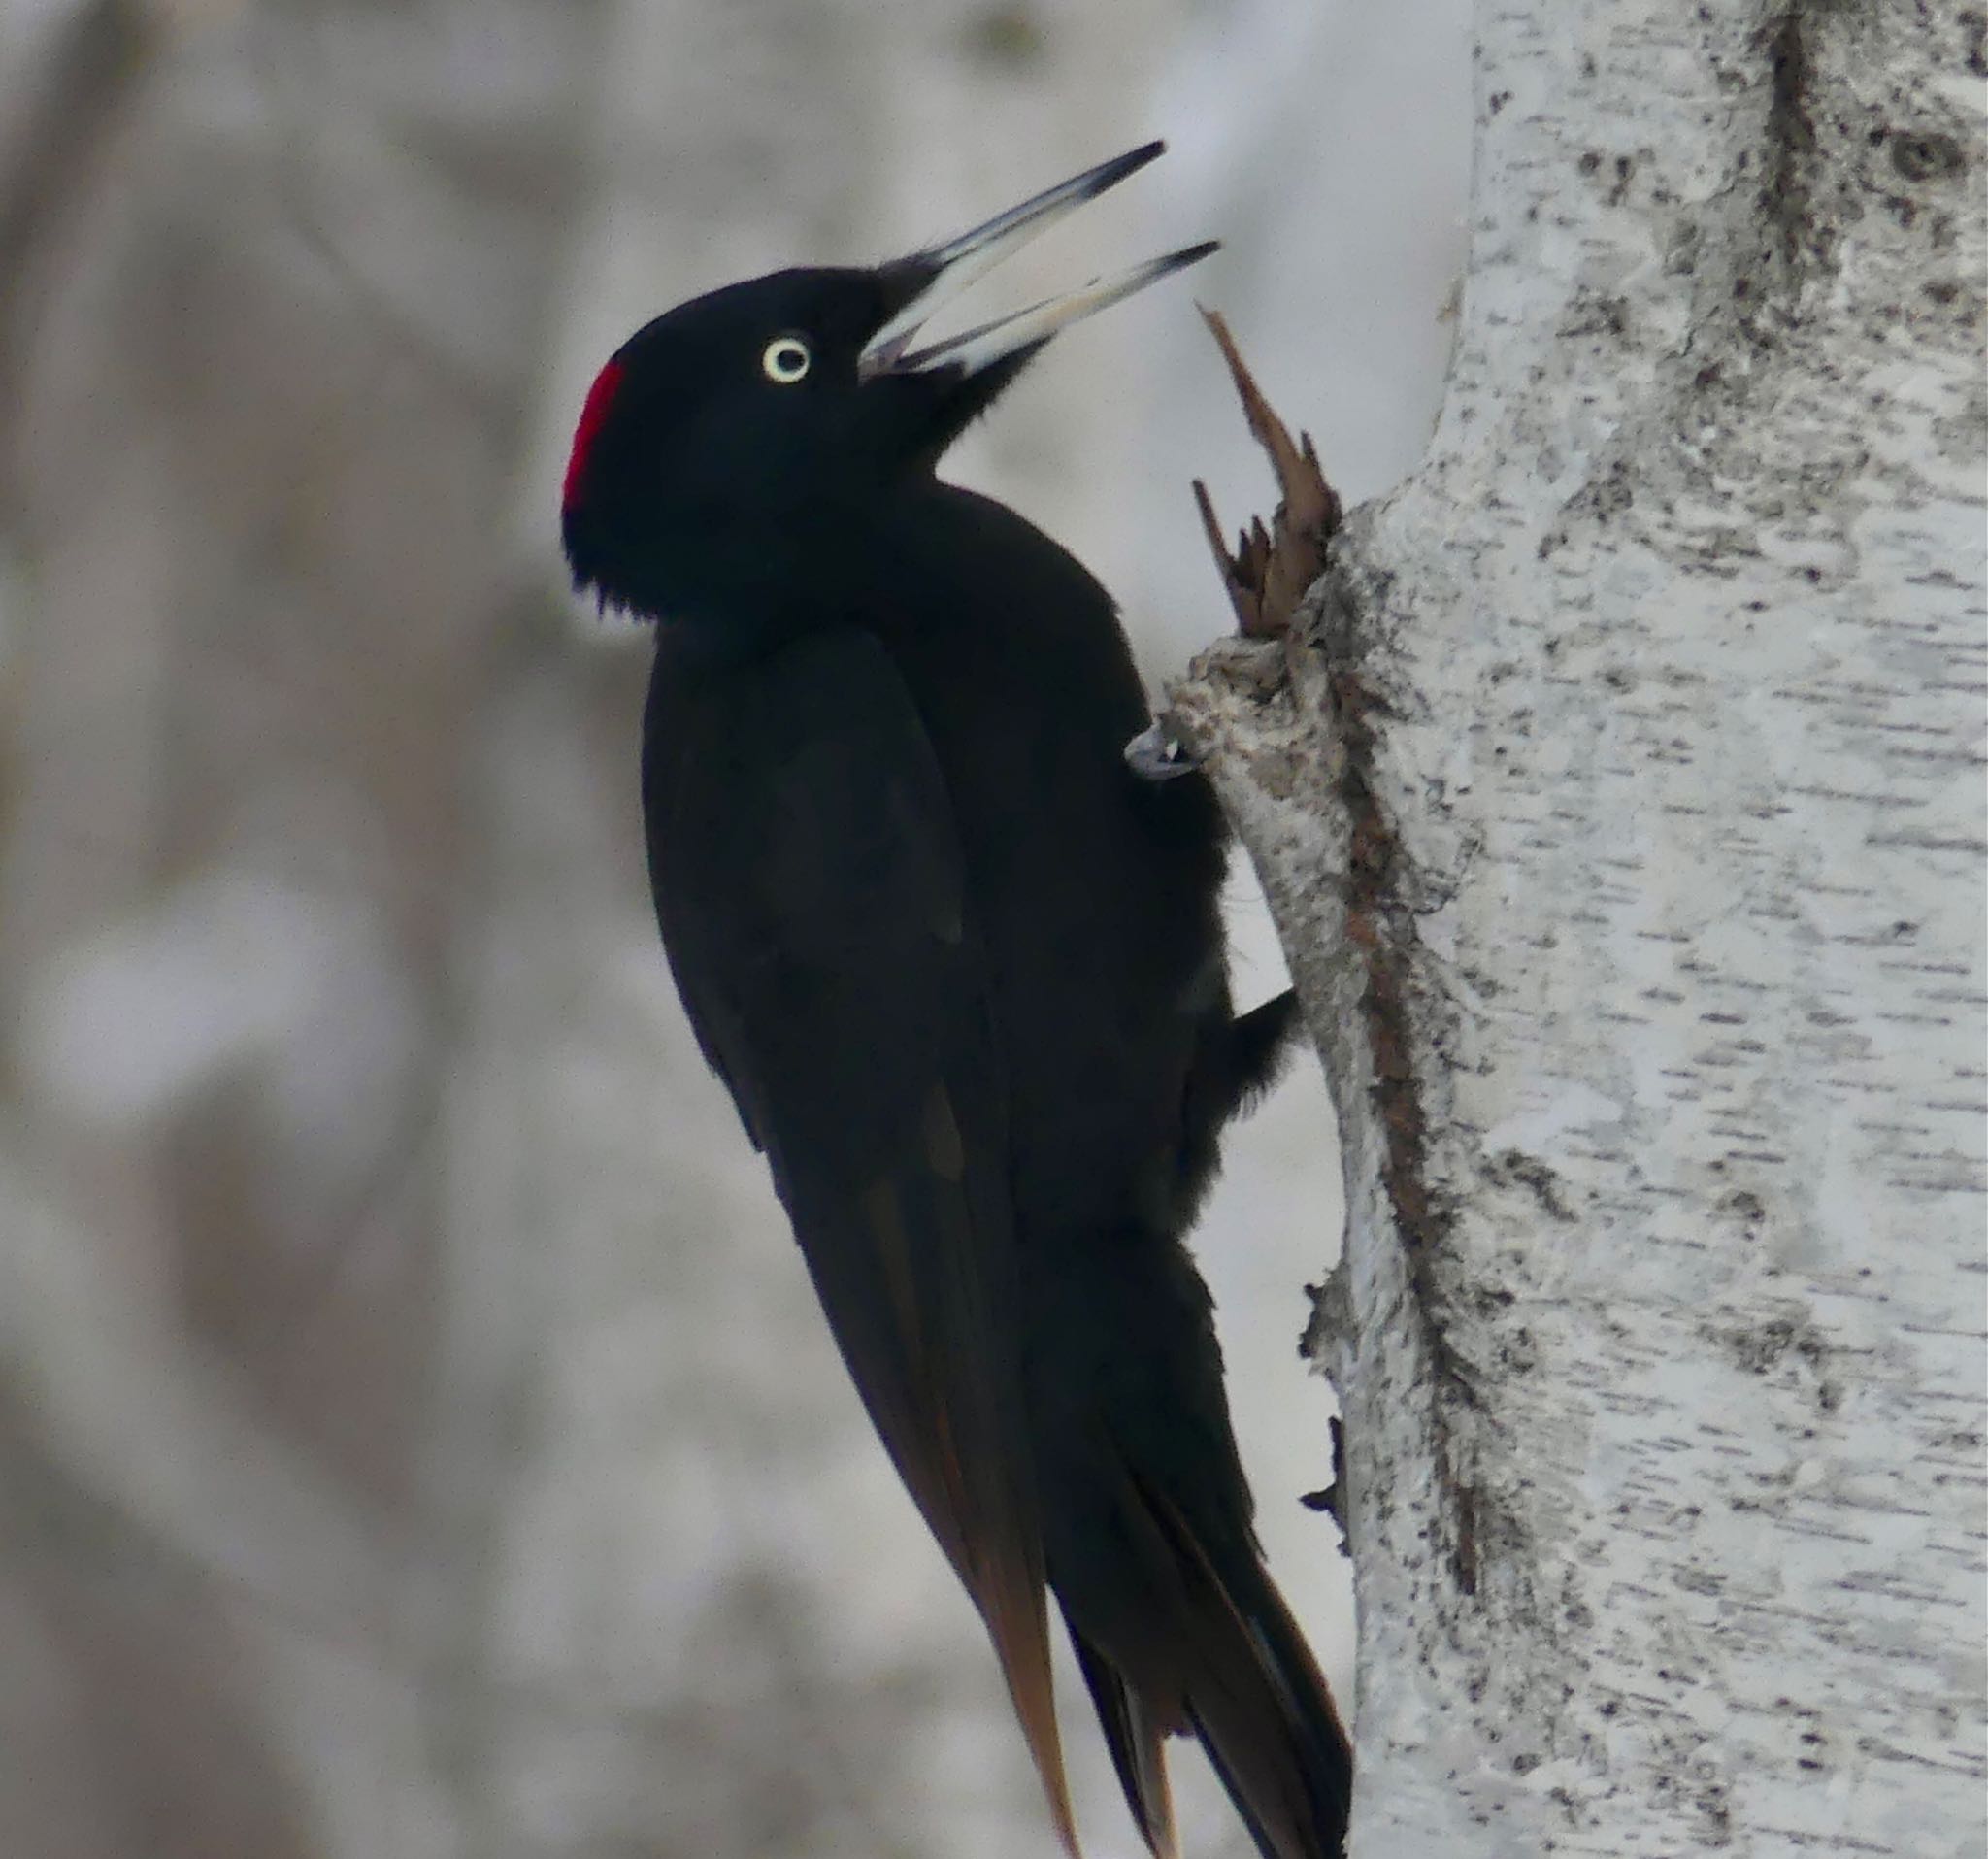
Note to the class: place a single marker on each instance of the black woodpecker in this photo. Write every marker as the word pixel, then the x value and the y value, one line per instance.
pixel 964 973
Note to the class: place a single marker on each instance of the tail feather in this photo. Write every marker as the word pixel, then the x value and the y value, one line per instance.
pixel 1288 1769
pixel 1138 1744
pixel 1015 1623
pixel 1149 1550
pixel 1257 1701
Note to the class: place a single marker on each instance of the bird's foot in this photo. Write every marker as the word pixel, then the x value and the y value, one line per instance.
pixel 1272 567
pixel 1157 754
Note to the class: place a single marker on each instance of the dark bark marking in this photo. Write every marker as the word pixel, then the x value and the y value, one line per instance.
pixel 1784 194
pixel 1381 928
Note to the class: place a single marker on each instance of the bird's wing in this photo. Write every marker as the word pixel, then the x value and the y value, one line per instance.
pixel 810 886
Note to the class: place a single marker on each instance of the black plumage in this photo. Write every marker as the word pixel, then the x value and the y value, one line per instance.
pixel 964 973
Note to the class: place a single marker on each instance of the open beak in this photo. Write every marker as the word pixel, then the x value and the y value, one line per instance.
pixel 943 272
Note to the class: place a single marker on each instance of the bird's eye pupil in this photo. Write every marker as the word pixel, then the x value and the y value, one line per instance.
pixel 786 360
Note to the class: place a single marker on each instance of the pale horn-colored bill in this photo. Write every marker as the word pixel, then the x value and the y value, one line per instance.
pixel 963 262
pixel 981 347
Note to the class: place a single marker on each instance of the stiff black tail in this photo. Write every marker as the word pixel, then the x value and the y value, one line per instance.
pixel 1230 1666
pixel 1260 1705
pixel 1150 1549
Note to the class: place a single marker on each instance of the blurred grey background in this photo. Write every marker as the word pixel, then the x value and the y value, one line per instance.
pixel 417 1439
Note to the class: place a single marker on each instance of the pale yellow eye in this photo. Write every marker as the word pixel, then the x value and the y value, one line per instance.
pixel 786 360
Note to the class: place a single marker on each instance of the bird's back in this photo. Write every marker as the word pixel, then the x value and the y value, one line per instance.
pixel 1098 892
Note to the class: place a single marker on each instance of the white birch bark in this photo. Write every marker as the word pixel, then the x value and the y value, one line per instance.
pixel 1622 810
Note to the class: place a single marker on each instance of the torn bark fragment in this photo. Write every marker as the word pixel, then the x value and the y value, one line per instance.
pixel 1271 567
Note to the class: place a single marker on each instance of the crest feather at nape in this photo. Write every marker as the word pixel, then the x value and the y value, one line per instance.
pixel 593 415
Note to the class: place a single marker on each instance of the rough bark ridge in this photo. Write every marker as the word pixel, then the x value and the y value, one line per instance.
pixel 1621 805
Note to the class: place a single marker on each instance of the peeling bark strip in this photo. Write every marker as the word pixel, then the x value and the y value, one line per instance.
pixel 1618 792
pixel 1267 578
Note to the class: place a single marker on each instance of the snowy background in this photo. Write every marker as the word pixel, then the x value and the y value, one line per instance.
pixel 417 1439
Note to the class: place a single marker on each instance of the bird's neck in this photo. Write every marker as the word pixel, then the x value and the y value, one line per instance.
pixel 777 587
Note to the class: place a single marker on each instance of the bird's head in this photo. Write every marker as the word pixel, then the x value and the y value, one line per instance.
pixel 727 446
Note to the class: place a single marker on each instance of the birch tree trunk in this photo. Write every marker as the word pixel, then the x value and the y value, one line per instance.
pixel 1620 799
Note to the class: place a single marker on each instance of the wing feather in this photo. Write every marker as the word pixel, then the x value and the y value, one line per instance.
pixel 810 886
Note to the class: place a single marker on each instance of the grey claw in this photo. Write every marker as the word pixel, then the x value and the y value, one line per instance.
pixel 1155 755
